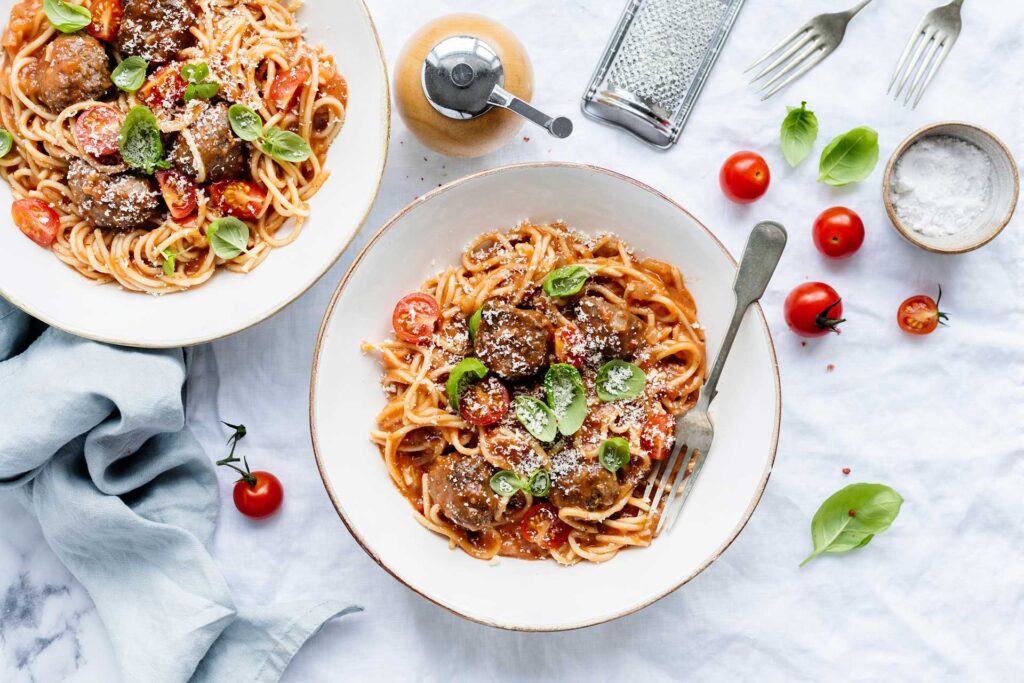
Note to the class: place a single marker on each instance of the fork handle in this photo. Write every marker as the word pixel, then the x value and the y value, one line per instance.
pixel 764 248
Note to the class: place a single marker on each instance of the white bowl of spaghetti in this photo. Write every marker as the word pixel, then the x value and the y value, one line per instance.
pixel 218 231
pixel 387 460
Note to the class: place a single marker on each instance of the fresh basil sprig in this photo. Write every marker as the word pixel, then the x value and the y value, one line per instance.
pixel 139 141
pixel 850 158
pixel 798 134
pixel 195 75
pixel 469 371
pixel 537 418
pixel 170 260
pixel 618 380
pixel 282 145
pixel 506 482
pixel 130 74
pixel 566 281
pixel 228 237
pixel 566 396
pixel 613 454
pixel 65 17
pixel 6 143
pixel 851 517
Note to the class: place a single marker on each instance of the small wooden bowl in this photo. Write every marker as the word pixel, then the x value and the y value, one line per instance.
pixel 1005 190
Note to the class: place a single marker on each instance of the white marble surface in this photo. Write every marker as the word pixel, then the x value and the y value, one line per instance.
pixel 939 597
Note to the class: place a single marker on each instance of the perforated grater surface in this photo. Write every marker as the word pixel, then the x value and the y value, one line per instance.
pixel 656 63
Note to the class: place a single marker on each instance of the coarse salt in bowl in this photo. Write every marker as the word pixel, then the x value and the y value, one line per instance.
pixel 951 187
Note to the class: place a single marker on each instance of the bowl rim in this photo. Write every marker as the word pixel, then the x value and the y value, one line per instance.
pixel 318 350
pixel 890 168
pixel 316 276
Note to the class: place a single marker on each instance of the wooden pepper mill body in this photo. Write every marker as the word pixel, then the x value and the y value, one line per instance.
pixel 466 137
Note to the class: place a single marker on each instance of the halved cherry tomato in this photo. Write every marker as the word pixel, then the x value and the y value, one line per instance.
pixel 238 198
pixel 484 403
pixel 37 220
pixel 414 317
pixel 570 346
pixel 261 499
pixel 286 86
pixel 657 435
pixel 541 526
pixel 96 130
pixel 180 193
pixel 106 19
pixel 838 232
pixel 920 314
pixel 165 88
pixel 745 177
pixel 813 310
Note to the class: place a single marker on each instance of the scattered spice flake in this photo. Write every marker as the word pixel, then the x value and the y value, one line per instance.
pixel 526 139
pixel 829 367
pixel 853 513
pixel 846 470
pixel 803 343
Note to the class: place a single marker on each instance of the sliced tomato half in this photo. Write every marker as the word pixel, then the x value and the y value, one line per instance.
pixel 484 403
pixel 542 526
pixel 165 88
pixel 106 19
pixel 97 129
pixel 657 435
pixel 180 193
pixel 286 86
pixel 37 220
pixel 238 198
pixel 415 317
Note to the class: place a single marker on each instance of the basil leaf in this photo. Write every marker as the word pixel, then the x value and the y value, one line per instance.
pixel 618 380
pixel 566 281
pixel 246 123
pixel 799 131
pixel 169 262
pixel 6 143
pixel 613 454
pixel 195 73
pixel 130 74
pixel 506 482
pixel 285 145
pixel 139 140
pixel 205 91
pixel 474 323
pixel 228 237
pixel 566 396
pixel 65 17
pixel 537 418
pixel 851 517
pixel 850 158
pixel 469 371
pixel 539 483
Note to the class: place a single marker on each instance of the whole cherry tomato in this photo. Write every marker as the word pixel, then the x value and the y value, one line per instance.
pixel 484 403
pixel 921 315
pixel 258 495
pixel 813 310
pixel 542 526
pixel 414 317
pixel 745 177
pixel 838 232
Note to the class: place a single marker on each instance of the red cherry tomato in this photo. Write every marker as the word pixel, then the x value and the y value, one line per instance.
pixel 97 129
pixel 106 19
pixel 570 346
pixel 414 317
pixel 261 500
pixel 838 232
pixel 541 526
pixel 180 193
pixel 37 220
pixel 814 309
pixel 745 177
pixel 286 86
pixel 238 198
pixel 165 88
pixel 657 436
pixel 921 315
pixel 484 403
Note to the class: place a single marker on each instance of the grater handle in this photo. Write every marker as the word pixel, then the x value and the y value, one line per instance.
pixel 560 127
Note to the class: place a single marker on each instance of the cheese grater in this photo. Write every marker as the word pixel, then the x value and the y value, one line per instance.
pixel 655 65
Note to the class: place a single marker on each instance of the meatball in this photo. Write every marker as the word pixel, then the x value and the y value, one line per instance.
pixel 588 485
pixel 156 30
pixel 222 155
pixel 609 330
pixel 120 201
pixel 460 484
pixel 73 68
pixel 512 342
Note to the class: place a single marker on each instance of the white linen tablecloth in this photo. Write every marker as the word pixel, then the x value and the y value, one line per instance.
pixel 941 419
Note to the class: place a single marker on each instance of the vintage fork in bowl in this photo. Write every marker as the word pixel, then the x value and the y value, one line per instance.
pixel 695 431
pixel 803 49
pixel 937 33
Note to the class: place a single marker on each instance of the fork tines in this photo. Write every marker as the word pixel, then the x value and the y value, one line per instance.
pixel 668 477
pixel 797 54
pixel 924 54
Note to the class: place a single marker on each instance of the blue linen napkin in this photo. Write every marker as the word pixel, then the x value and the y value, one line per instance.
pixel 93 441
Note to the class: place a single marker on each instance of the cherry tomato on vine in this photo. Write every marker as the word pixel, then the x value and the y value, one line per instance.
pixel 484 403
pixel 745 177
pixel 542 526
pixel 415 317
pixel 838 232
pixel 813 310
pixel 261 498
pixel 920 314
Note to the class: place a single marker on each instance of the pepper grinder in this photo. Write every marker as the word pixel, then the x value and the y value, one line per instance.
pixel 463 85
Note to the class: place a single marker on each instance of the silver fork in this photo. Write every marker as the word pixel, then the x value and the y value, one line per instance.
pixel 695 431
pixel 803 49
pixel 934 38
